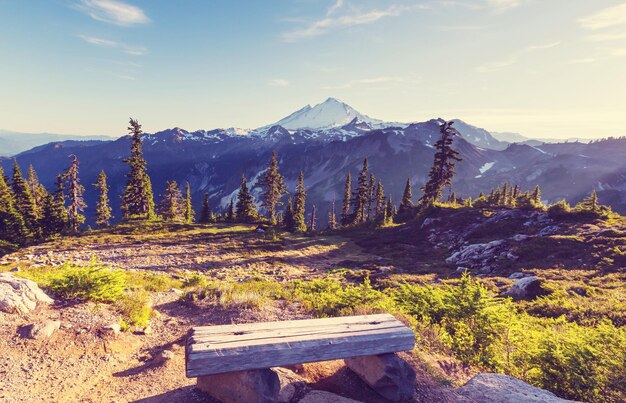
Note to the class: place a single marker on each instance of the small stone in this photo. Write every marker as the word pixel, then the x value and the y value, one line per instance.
pixel 43 331
pixel 147 330
pixel 527 288
pixel 176 291
pixel 114 329
pixel 516 275
pixel 15 269
pixel 388 374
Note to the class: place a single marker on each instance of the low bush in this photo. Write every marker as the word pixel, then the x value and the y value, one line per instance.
pixel 91 283
pixel 135 308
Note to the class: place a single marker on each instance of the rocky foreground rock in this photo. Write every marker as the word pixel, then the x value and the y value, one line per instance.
pixel 498 388
pixel 19 295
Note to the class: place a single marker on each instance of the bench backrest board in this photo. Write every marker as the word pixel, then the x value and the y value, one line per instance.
pixel 220 349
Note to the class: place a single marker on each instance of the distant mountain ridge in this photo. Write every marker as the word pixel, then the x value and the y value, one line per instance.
pixel 213 161
pixel 12 143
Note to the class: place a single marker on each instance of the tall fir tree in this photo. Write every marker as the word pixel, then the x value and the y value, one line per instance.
pixel 361 195
pixel 389 212
pixel 190 215
pixel 245 208
pixel 406 204
pixel 230 212
pixel 171 207
pixel 347 194
pixel 299 205
pixel 55 218
pixel 103 208
pixel 332 218
pixel 444 163
pixel 380 200
pixel 205 213
pixel 274 188
pixel 371 196
pixel 12 226
pixel 38 191
pixel 137 199
pixel 288 219
pixel 589 203
pixel 24 201
pixel 536 195
pixel 313 222
pixel 75 195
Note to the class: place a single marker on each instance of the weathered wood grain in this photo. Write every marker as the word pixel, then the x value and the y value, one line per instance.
pixel 221 349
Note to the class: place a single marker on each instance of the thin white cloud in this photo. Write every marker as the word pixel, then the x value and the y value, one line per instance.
pixel 128 49
pixel 371 81
pixel 113 12
pixel 513 58
pixel 338 4
pixel 278 82
pixel 330 22
pixel 606 18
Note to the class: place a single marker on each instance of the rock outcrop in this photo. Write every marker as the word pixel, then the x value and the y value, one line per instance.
pixel 498 388
pixel 19 295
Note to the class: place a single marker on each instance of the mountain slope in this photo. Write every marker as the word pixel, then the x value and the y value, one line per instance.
pixel 12 143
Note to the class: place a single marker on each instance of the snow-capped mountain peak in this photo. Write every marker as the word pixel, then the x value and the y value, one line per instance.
pixel 329 114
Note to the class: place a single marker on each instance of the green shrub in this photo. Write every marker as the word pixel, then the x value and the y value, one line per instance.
pixel 328 297
pixel 559 210
pixel 91 283
pixel 195 280
pixel 135 308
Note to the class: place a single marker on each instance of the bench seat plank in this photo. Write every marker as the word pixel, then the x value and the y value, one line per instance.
pixel 220 349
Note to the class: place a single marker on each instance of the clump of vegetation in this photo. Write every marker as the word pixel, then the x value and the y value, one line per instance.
pixel 135 308
pixel 91 283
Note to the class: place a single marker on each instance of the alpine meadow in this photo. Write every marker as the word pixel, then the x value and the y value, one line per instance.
pixel 328 256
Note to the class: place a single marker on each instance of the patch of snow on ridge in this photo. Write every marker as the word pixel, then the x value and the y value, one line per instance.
pixel 486 167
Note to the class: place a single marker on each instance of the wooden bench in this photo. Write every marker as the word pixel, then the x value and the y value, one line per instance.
pixel 232 356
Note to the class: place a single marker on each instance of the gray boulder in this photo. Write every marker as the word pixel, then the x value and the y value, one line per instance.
pixel 498 388
pixel 19 295
pixel 527 288
pixel 42 330
pixel 388 374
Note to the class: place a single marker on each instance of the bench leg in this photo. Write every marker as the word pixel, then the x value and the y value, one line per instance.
pixel 388 374
pixel 255 386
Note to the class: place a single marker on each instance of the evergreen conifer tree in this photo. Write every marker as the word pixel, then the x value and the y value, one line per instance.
pixel 361 195
pixel 230 212
pixel 24 201
pixel 103 209
pixel 313 222
pixel 273 188
pixel 380 200
pixel 205 213
pixel 589 203
pixel 245 208
pixel 371 195
pixel 332 218
pixel 288 220
pixel 75 194
pixel 172 206
pixel 137 199
pixel 442 171
pixel 38 191
pixel 299 222
pixel 345 210
pixel 407 198
pixel 190 215
pixel 536 195
pixel 55 218
pixel 12 226
pixel 389 212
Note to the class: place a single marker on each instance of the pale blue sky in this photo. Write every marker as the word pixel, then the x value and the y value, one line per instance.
pixel 539 67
